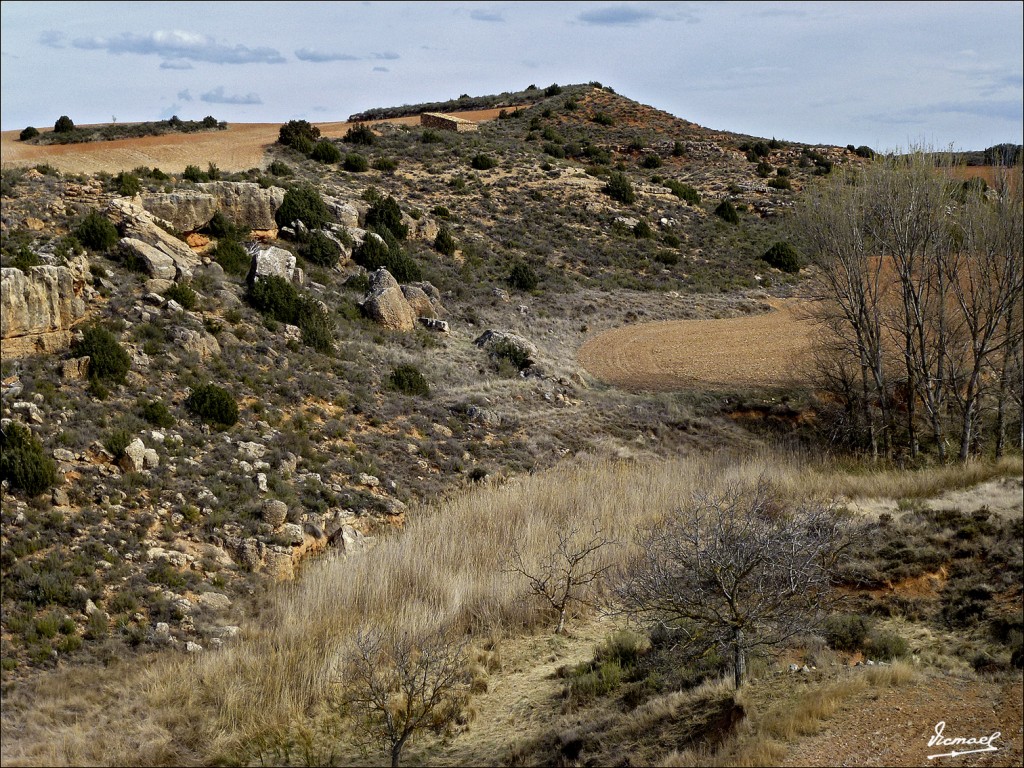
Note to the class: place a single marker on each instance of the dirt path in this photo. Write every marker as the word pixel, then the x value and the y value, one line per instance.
pixel 241 147
pixel 771 349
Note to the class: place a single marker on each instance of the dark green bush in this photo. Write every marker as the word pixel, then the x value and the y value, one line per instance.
pixel 782 256
pixel 220 227
pixel 444 242
pixel 683 191
pixel 183 294
pixel 726 211
pixel 127 184
pixel 360 133
pixel 277 168
pixel 195 173
pixel 620 188
pixel 324 151
pixel 845 632
pixel 482 162
pixel 764 169
pixel 553 90
pixel 780 182
pixel 96 232
pixel 233 257
pixel 117 441
pixel 523 277
pixel 28 133
pixel 303 204
pixel 213 405
pixel 408 380
pixel 643 230
pixel 276 298
pixel 63 125
pixel 384 214
pixel 430 137
pixel 23 463
pixel 297 131
pixel 651 161
pixel 602 119
pixel 355 163
pixel 511 352
pixel 155 412
pixel 108 360
pixel 316 325
pixel 385 164
pixel 321 250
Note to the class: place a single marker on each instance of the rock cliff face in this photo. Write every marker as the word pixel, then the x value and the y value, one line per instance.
pixel 38 308
pixel 244 204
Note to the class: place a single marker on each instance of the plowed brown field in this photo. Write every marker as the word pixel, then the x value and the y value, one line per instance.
pixel 766 350
pixel 241 147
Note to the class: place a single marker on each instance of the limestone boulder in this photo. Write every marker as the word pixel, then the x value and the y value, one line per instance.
pixel 157 263
pixel 272 261
pixel 386 304
pixel 345 212
pixel 419 301
pixel 39 306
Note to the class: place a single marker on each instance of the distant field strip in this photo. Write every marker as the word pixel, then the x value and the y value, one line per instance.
pixel 770 350
pixel 241 147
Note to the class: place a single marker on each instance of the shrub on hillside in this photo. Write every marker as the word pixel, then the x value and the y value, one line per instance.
pixel 523 277
pixel 195 174
pixel 127 184
pixel 213 404
pixel 651 161
pixel 683 191
pixel 620 188
pixel 360 134
pixel 63 125
pixel 303 204
pixel 321 250
pixel 355 163
pixel 325 152
pixel 108 360
pixel 374 254
pixel 385 165
pixel 316 325
pixel 384 214
pixel 444 242
pixel 28 133
pixel 782 256
pixel 232 256
pixel 276 298
pixel 155 412
pixel 184 294
pixel 23 463
pixel 482 162
pixel 297 130
pixel 408 380
pixel 277 168
pixel 846 632
pixel 96 232
pixel 726 211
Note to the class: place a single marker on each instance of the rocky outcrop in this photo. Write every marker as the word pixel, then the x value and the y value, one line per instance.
pixel 419 301
pixel 39 306
pixel 157 264
pixel 494 341
pixel 244 204
pixel 386 304
pixel 272 261
pixel 345 212
pixel 136 223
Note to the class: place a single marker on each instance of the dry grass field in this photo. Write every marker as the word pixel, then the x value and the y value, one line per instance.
pixel 241 147
pixel 763 350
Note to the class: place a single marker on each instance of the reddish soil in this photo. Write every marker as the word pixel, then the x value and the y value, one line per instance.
pixel 767 350
pixel 241 147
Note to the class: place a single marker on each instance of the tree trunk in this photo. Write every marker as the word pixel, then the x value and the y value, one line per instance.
pixel 396 750
pixel 739 658
pixel 561 621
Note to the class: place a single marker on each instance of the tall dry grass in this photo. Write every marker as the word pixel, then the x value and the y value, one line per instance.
pixel 446 566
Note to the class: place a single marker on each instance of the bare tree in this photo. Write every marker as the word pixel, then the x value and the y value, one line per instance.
pixel 400 684
pixel 566 571
pixel 734 569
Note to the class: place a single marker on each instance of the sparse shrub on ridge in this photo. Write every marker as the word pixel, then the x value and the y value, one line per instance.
pixel 28 133
pixel 360 134
pixel 194 173
pixel 296 131
pixel 64 124
pixel 324 151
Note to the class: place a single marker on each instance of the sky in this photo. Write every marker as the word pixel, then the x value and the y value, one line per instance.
pixel 889 75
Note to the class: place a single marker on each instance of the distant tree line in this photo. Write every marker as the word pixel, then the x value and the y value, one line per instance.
pixel 66 132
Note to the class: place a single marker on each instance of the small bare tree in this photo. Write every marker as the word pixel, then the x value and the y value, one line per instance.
pixel 564 573
pixel 734 569
pixel 400 684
